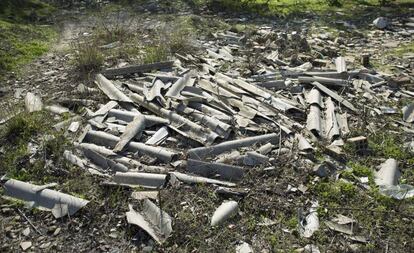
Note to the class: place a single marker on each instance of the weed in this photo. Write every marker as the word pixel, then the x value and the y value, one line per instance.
pixel 88 57
pixel 388 146
pixel 335 193
pixel 292 223
pixel 23 126
pixel 360 170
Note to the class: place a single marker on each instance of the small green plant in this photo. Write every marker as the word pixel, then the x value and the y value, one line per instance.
pixel 335 193
pixel 388 146
pixel 292 223
pixel 360 170
pixel 22 127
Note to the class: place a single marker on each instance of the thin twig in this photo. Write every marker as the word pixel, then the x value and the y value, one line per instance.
pixel 27 219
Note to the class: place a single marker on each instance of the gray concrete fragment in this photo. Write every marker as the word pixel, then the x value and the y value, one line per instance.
pixel 60 204
pixel 105 139
pixel 110 90
pixel 133 130
pixel 200 153
pixel 207 169
pixel 146 180
pixel 190 179
pixel 408 113
pixel 156 222
pixel 388 173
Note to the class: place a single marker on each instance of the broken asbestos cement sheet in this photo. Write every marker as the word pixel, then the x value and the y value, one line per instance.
pixel 146 180
pixel 244 247
pixel 206 169
pixel 223 212
pixel 408 113
pixel 387 180
pixel 33 102
pixel 60 204
pixel 388 173
pixel 152 219
pixel 202 152
pixel 310 223
pixel 190 179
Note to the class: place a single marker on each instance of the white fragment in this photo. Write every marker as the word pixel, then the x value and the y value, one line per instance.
pixel 33 102
pixel 388 173
pixel 223 212
pixel 152 219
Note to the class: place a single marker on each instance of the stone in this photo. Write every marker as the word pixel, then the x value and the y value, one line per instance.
pixel 380 22
pixel 26 232
pixel 57 231
pixel 25 245
pixel 45 245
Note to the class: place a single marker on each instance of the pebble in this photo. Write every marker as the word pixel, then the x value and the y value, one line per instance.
pixel 25 245
pixel 57 231
pixel 26 232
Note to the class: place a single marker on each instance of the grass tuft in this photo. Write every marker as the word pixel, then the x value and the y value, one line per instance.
pixel 88 57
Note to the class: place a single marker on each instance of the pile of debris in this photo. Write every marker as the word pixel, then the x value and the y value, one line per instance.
pixel 192 121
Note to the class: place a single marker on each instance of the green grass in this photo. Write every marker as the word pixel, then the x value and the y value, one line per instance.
pixel 25 10
pixel 22 43
pixel 16 136
pixel 403 49
pixel 294 7
pixel 388 146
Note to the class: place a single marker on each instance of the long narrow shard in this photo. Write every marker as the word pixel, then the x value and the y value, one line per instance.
pixel 206 169
pixel 221 128
pixel 152 219
pixel 103 161
pixel 335 96
pixel 176 88
pixel 128 116
pixel 110 90
pixel 253 158
pixel 128 162
pixel 132 130
pixel 60 204
pixel 137 69
pixel 331 124
pixel 100 114
pixel 340 64
pixel 190 179
pixel 194 131
pixel 146 180
pixel 202 152
pixel 105 139
pixel 323 80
